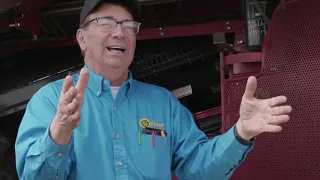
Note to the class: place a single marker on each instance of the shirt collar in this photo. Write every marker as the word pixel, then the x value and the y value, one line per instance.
pixel 97 82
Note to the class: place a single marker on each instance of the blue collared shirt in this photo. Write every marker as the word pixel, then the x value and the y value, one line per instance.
pixel 107 144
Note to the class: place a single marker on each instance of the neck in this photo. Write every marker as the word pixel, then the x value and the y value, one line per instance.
pixel 116 76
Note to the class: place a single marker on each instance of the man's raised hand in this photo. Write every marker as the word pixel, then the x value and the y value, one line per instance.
pixel 68 112
pixel 258 116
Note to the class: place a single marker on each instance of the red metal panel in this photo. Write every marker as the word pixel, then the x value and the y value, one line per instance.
pixel 207 113
pixel 290 63
pixel 30 15
pixel 243 63
pixel 191 29
pixel 29 22
pixel 7 18
pixel 239 42
pixel 243 58
pixel 25 16
pixel 148 33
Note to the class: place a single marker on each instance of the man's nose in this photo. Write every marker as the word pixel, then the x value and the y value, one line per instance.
pixel 118 31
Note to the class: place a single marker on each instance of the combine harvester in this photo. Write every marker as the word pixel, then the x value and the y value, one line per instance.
pixel 201 50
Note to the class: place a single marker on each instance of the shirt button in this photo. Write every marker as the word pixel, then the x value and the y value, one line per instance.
pixel 98 92
pixel 59 154
pixel 105 82
pixel 114 108
pixel 240 151
pixel 120 163
pixel 118 136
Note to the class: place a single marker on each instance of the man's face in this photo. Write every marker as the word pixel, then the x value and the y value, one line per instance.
pixel 111 47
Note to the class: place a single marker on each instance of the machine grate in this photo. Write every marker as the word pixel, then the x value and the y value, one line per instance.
pixel 290 66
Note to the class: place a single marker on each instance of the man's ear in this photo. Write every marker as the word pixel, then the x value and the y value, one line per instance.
pixel 81 39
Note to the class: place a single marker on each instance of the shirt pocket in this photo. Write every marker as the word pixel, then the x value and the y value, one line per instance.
pixel 152 158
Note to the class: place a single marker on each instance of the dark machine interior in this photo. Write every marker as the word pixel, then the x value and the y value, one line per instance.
pixel 41 48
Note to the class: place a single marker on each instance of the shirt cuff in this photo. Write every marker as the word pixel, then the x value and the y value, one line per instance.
pixel 55 154
pixel 236 146
pixel 240 139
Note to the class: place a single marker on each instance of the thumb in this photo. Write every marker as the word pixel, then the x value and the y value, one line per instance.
pixel 251 87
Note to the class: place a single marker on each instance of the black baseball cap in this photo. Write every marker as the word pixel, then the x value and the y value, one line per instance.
pixel 132 6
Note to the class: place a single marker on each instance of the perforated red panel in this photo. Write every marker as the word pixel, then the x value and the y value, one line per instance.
pixel 291 67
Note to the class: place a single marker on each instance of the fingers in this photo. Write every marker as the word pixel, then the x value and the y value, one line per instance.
pixel 79 101
pixel 250 87
pixel 280 115
pixel 68 96
pixel 275 120
pixel 83 81
pixel 275 101
pixel 71 108
pixel 75 117
pixel 67 84
pixel 70 102
pixel 69 92
pixel 272 128
pixel 281 110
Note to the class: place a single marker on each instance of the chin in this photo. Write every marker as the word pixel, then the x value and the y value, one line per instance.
pixel 116 63
pixel 116 66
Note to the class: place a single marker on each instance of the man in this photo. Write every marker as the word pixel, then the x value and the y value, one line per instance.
pixel 102 124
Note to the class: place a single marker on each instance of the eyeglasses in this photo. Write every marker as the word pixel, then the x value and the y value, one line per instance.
pixel 109 24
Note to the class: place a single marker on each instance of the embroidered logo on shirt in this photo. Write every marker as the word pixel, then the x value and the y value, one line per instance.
pixel 144 123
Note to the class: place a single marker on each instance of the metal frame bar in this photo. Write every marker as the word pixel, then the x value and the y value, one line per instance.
pixel 236 26
pixel 207 113
pixel 191 29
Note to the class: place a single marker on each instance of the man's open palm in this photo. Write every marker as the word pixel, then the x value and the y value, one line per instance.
pixel 68 113
pixel 261 115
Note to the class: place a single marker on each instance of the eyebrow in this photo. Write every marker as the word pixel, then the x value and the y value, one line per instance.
pixel 111 17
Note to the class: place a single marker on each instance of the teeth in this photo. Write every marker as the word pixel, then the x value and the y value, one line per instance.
pixel 116 49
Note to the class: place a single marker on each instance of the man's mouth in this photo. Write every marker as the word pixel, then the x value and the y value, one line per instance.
pixel 116 49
